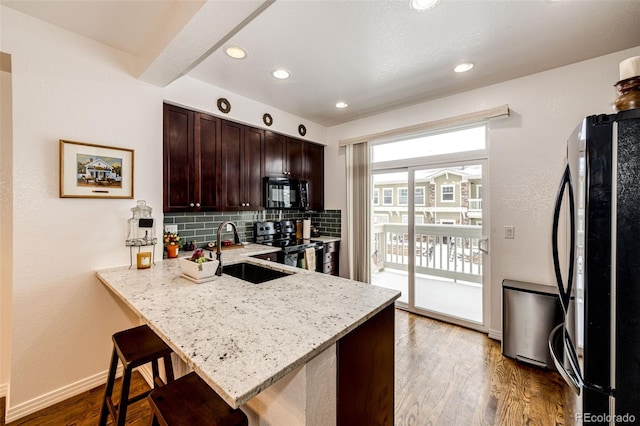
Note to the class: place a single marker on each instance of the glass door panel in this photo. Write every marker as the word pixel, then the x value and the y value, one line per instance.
pixel 390 252
pixel 447 231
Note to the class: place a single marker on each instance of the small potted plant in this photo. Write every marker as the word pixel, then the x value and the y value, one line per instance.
pixel 198 266
pixel 172 243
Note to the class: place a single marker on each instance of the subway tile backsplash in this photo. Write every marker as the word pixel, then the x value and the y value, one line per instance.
pixel 202 227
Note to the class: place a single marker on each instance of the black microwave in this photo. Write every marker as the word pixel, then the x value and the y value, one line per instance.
pixel 285 193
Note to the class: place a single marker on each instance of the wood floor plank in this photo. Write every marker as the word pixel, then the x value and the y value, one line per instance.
pixel 445 375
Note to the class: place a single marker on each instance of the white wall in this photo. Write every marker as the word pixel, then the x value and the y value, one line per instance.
pixel 68 87
pixel 526 156
pixel 6 220
pixel 194 94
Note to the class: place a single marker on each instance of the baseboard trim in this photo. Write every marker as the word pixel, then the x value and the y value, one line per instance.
pixel 495 335
pixel 14 413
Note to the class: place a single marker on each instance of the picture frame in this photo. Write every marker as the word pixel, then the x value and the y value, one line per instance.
pixel 95 171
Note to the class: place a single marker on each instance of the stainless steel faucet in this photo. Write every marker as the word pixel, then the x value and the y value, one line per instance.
pixel 218 243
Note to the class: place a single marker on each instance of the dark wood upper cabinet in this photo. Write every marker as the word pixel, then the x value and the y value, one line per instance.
pixel 212 164
pixel 274 154
pixel 241 167
pixel 253 166
pixel 208 129
pixel 314 173
pixel 191 144
pixel 294 159
pixel 283 156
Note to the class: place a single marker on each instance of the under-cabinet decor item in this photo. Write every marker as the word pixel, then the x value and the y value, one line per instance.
pixel 172 251
pixel 198 267
pixel 140 227
pixel 141 232
pixel 144 260
pixel 172 243
pixel 224 105
pixel 95 171
pixel 302 130
pixel 267 119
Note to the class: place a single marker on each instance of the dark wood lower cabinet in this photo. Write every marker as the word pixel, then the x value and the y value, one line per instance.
pixel 365 359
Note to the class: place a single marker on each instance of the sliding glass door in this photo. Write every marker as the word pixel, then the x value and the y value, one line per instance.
pixel 428 225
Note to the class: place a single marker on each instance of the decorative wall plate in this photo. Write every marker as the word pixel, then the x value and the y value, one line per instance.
pixel 224 105
pixel 267 119
pixel 302 130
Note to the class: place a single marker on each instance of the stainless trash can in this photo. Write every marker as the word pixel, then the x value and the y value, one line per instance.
pixel 529 313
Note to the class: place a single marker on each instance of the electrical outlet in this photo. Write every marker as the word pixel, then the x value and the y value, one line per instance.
pixel 509 232
pixel 229 228
pixel 171 228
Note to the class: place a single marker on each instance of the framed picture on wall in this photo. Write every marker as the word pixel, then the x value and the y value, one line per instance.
pixel 95 171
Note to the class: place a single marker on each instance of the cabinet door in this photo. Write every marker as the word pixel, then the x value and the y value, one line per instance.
pixel 294 165
pixel 253 154
pixel 314 173
pixel 179 168
pixel 231 179
pixel 274 154
pixel 208 151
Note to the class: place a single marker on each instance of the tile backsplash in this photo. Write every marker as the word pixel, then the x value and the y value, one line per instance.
pixel 202 227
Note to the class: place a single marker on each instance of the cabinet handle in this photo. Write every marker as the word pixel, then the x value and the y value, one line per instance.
pixel 248 204
pixel 242 204
pixel 191 205
pixel 197 204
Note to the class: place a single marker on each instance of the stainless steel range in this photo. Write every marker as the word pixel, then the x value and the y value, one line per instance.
pixel 283 235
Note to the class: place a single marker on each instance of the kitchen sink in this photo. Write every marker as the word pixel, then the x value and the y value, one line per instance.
pixel 255 274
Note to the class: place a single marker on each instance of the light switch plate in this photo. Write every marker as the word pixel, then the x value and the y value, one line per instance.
pixel 171 228
pixel 509 232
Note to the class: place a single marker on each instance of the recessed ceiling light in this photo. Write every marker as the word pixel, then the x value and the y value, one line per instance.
pixel 463 67
pixel 422 5
pixel 281 74
pixel 236 52
pixel 341 104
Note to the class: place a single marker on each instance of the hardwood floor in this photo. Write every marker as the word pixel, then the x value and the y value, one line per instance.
pixel 448 375
pixel 445 375
pixel 84 409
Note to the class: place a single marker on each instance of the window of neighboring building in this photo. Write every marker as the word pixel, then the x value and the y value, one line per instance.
pixel 479 192
pixel 418 198
pixel 380 218
pixel 387 197
pixel 376 197
pixel 403 196
pixel 447 193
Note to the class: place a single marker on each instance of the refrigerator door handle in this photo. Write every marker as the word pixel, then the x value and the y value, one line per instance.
pixel 483 245
pixel 565 293
pixel 560 347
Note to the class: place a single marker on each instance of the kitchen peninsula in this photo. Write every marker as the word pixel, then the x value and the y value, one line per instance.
pixel 311 347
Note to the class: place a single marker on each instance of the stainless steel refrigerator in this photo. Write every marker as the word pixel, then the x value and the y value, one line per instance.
pixel 598 262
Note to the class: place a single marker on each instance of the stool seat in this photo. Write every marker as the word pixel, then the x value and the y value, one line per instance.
pixel 133 348
pixel 190 401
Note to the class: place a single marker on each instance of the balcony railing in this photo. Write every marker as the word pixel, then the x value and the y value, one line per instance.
pixel 447 251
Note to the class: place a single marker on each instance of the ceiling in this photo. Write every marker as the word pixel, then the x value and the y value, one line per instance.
pixel 374 55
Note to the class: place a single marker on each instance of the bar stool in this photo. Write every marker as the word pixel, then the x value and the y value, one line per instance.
pixel 133 347
pixel 189 401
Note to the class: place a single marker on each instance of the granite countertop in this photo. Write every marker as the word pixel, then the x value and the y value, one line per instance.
pixel 325 239
pixel 242 337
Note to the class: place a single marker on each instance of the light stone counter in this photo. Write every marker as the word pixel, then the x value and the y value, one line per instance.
pixel 242 337
pixel 325 239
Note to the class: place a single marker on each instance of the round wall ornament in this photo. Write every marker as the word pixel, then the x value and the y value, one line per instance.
pixel 224 105
pixel 302 130
pixel 267 119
